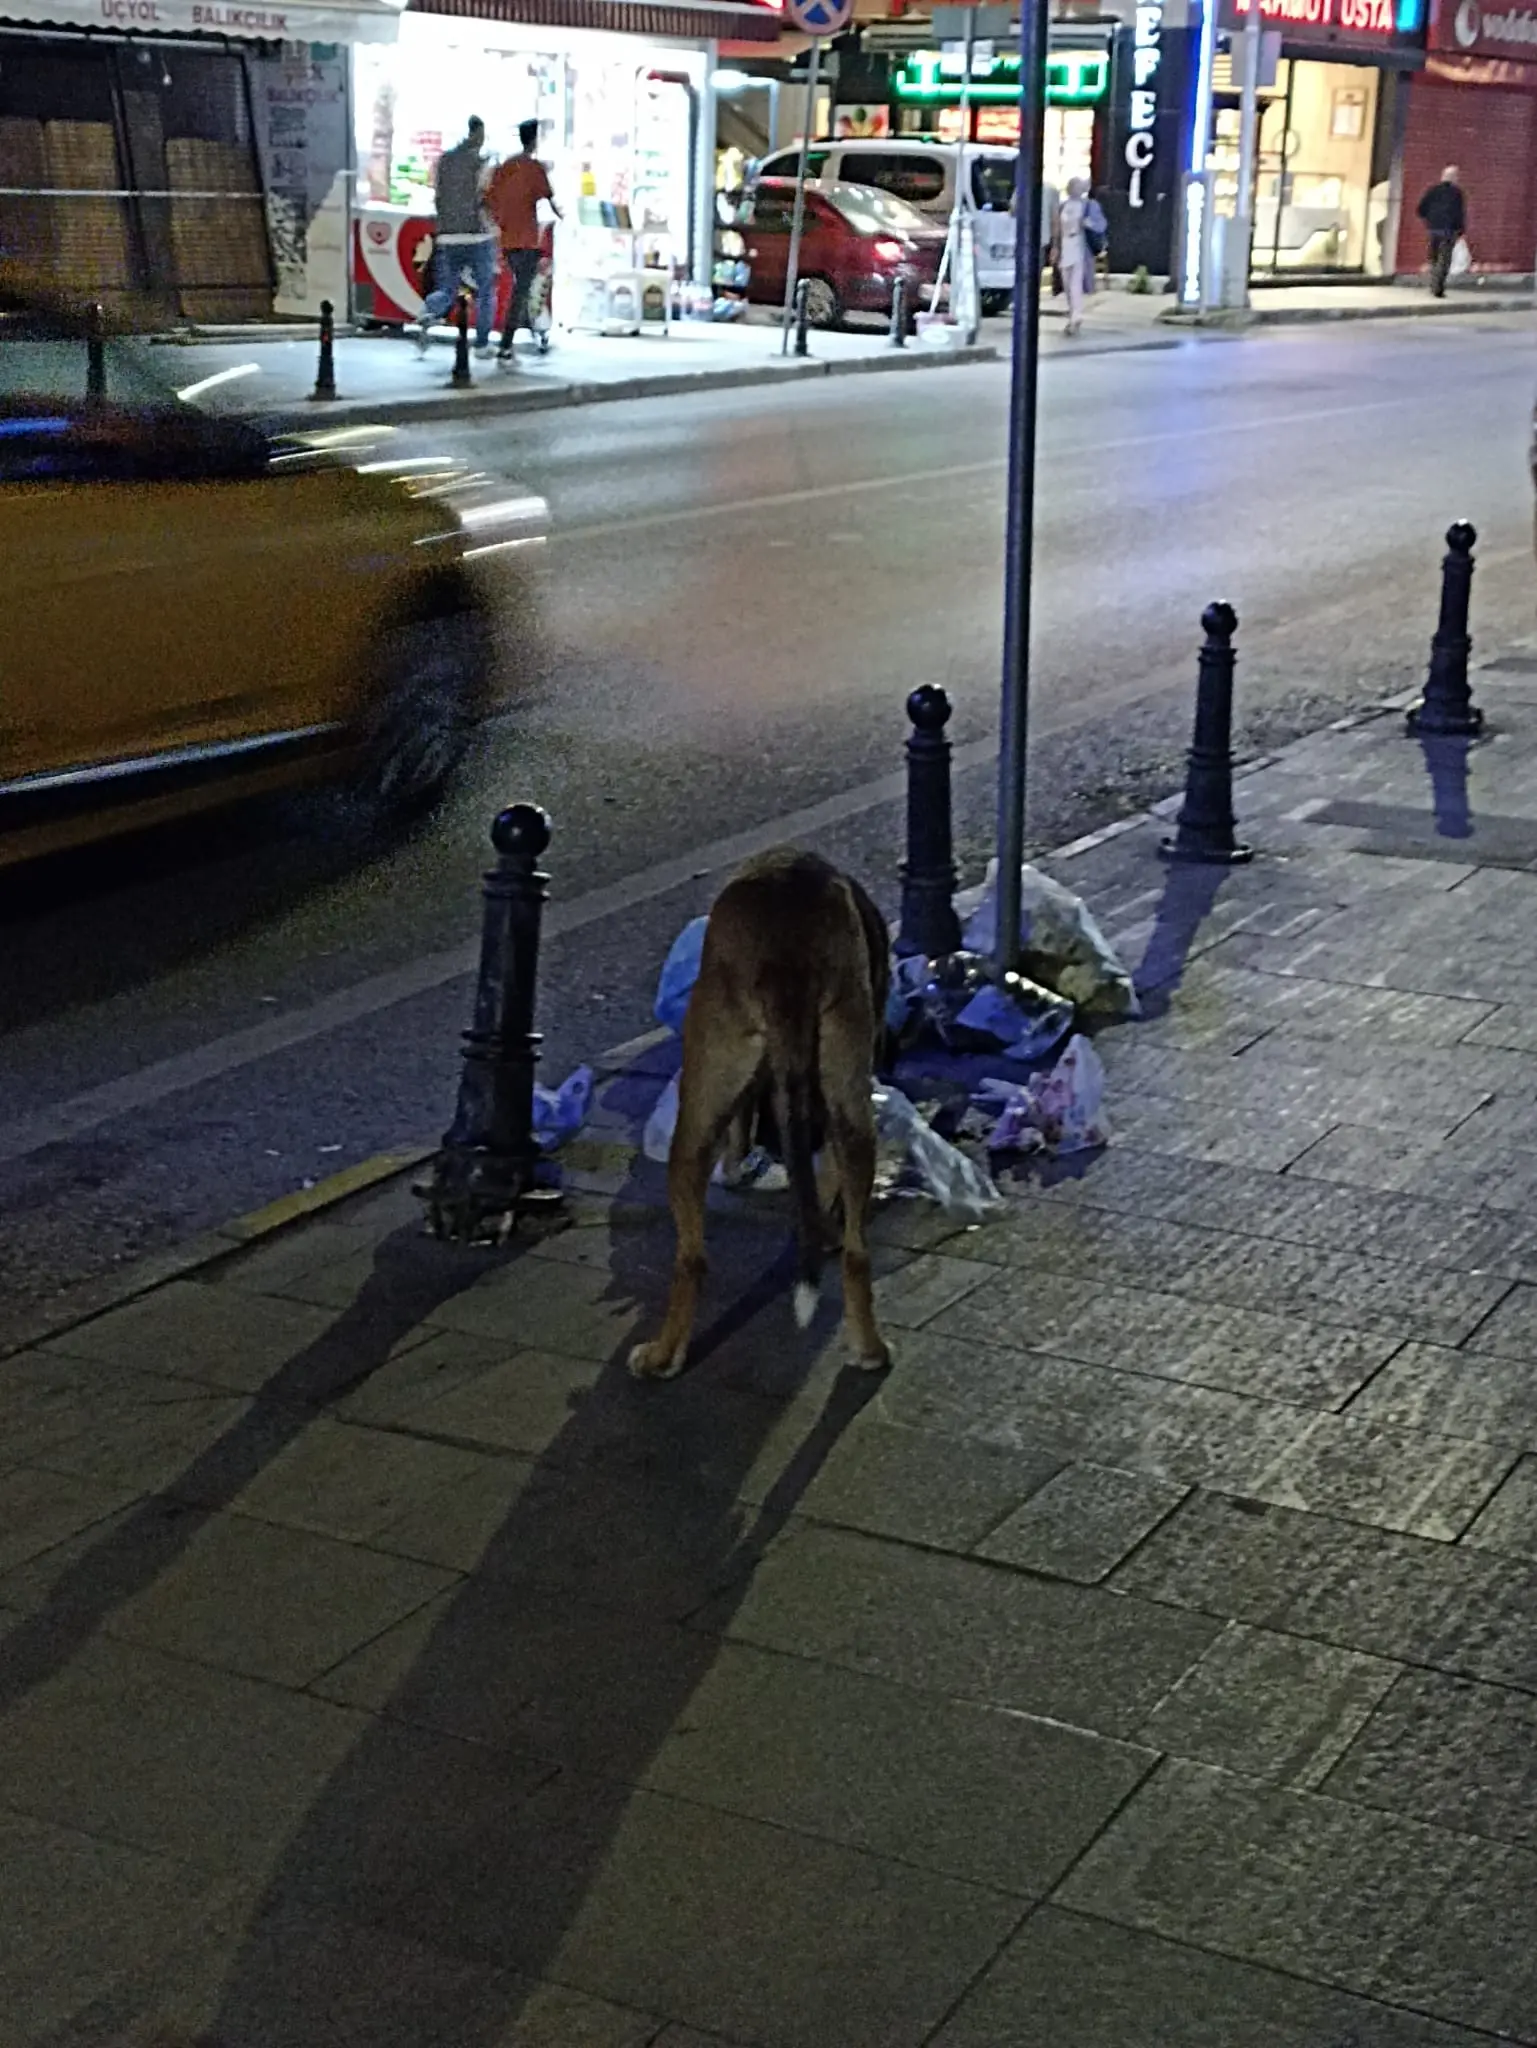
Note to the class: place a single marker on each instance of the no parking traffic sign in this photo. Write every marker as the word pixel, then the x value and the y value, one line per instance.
pixel 819 17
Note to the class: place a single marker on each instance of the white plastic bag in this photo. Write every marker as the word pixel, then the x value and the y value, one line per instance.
pixel 1060 940
pixel 758 1171
pixel 961 1187
pixel 1063 1111
pixel 1462 258
pixel 656 1141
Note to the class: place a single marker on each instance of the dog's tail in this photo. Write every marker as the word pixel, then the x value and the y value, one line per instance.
pixel 795 1111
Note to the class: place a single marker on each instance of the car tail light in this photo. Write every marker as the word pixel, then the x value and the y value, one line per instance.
pixel 890 252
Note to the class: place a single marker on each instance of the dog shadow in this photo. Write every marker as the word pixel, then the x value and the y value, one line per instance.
pixel 437 1874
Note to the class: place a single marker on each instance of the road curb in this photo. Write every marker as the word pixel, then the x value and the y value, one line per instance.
pixel 510 397
pixel 1311 316
pixel 98 1297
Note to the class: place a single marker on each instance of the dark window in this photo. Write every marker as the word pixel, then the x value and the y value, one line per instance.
pixel 992 183
pixel 773 214
pixel 788 164
pixel 916 178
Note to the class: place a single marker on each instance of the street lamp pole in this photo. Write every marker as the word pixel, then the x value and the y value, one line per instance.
pixel 1014 710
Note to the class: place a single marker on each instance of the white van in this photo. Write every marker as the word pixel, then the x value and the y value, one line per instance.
pixel 924 174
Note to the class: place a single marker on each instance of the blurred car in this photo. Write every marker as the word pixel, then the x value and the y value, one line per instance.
pixel 198 609
pixel 855 244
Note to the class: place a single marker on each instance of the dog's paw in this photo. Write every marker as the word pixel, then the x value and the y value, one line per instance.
pixel 870 1361
pixel 651 1362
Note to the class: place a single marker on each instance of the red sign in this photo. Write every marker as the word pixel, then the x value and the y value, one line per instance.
pixel 1358 24
pixel 1469 28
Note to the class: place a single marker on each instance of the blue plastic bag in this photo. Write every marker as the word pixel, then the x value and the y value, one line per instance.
pixel 559 1113
pixel 680 970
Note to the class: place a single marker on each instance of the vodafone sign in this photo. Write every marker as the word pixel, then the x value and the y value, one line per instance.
pixel 1468 28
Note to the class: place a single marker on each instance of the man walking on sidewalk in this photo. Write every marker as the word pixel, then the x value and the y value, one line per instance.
pixel 463 241
pixel 1445 214
pixel 512 199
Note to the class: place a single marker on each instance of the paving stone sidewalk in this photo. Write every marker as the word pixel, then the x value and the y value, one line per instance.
pixel 1148 1661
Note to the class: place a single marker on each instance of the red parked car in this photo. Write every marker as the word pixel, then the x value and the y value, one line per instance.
pixel 855 243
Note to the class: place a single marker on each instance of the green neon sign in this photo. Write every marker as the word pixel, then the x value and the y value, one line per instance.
pixel 1074 78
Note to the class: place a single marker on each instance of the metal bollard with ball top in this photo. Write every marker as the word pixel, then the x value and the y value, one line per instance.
pixel 898 332
pixel 325 370
pixel 928 923
pixel 489 1170
pixel 1206 829
pixel 461 379
pixel 1447 710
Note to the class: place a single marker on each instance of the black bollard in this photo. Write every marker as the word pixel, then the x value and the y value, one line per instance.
pixel 1447 708
pixel 1205 826
pixel 802 316
pixel 487 1171
pixel 929 924
pixel 462 380
pixel 899 313
pixel 96 355
pixel 325 371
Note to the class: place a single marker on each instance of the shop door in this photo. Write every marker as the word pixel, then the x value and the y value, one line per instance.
pixel 1491 136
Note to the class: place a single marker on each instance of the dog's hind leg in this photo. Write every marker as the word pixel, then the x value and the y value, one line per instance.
pixel 709 1101
pixel 851 1136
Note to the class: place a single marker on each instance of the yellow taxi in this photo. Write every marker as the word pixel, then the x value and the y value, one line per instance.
pixel 192 608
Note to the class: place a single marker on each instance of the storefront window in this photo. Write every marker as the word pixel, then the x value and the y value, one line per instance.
pixel 616 122
pixel 1315 207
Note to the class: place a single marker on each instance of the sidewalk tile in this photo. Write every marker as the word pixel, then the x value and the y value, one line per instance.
pixel 40 1509
pixel 1270 1706
pixel 726 1924
pixel 201 1332
pixel 1387 1908
pixel 510 1664
pixel 1355 1290
pixel 1510 1521
pixel 1346 1465
pixel 1449 1606
pixel 1397 1162
pixel 1511 1330
pixel 915 1293
pixel 439 1503
pixel 405 1386
pixel 996 1798
pixel 1448 1751
pixel 1082 1523
pixel 1234 1350
pixel 1473 1393
pixel 119 1429
pixel 969 1630
pixel 1161 1429
pixel 521 1403
pixel 539 1302
pixel 909 1484
pixel 78 1913
pixel 272 1603
pixel 1068 1982
pixel 170 1757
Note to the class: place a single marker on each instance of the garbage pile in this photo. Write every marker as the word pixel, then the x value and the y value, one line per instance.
pixel 960 1009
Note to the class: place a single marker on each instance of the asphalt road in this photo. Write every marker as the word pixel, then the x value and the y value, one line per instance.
pixel 740 591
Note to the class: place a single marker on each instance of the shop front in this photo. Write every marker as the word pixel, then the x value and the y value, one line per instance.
pixel 626 130
pixel 188 154
pixel 899 82
pixel 1475 106
pixel 1331 104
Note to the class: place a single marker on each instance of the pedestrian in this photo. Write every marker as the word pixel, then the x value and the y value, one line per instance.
pixel 1445 214
pixel 513 198
pixel 464 242
pixel 1070 250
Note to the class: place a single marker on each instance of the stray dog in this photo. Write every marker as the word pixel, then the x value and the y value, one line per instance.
pixel 785 1018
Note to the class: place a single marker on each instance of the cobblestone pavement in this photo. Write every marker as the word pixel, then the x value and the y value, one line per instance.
pixel 1148 1661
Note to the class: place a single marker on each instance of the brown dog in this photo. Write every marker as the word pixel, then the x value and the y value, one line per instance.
pixel 786 1014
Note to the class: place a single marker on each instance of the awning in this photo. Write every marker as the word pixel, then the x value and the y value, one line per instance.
pixel 678 20
pixel 286 21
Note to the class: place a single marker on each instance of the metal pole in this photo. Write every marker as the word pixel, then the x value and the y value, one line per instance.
pixel 792 275
pixel 1447 705
pixel 1248 136
pixel 952 255
pixel 1014 712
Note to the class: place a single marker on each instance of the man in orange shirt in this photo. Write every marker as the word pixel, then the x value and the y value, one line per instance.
pixel 512 200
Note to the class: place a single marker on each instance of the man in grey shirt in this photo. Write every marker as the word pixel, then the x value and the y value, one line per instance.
pixel 464 242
